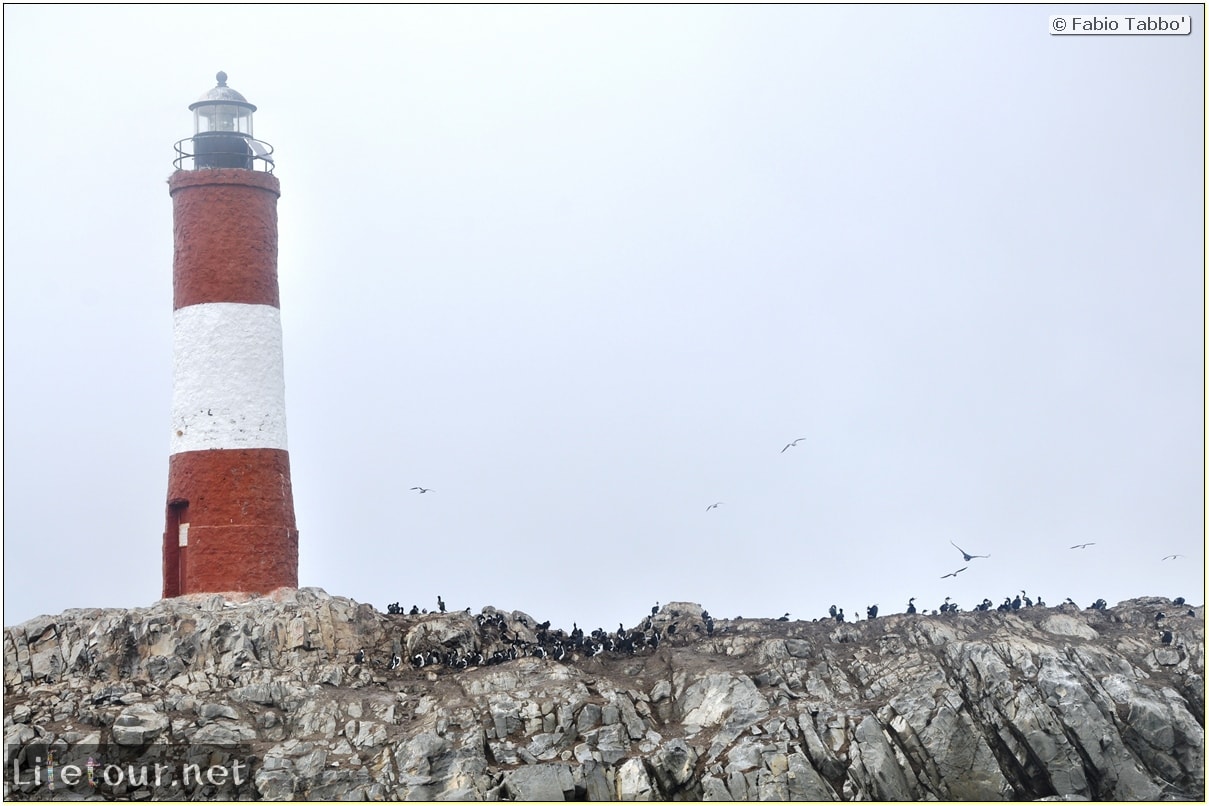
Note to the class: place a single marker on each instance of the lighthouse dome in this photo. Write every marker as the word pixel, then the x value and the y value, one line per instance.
pixel 222 94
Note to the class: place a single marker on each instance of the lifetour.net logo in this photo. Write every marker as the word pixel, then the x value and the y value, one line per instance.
pixel 160 772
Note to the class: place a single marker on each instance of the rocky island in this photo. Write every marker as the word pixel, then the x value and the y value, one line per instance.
pixel 302 695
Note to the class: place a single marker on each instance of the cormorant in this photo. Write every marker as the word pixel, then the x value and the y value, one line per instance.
pixel 784 617
pixel 440 603
pixel 359 658
pixel 871 611
pixel 911 605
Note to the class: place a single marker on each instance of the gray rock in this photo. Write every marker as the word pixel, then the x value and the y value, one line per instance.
pixel 674 766
pixel 545 782
pixel 138 724
pixel 633 782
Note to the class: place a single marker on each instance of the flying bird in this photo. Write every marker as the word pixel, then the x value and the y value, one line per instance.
pixel 955 573
pixel 1083 545
pixel 712 506
pixel 790 445
pixel 1172 556
pixel 967 556
pixel 423 489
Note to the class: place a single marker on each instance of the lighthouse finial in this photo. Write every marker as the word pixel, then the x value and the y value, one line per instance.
pixel 222 78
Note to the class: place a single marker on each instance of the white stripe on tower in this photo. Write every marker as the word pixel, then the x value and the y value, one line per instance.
pixel 228 388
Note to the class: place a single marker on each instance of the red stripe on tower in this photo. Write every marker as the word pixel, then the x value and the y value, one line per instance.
pixel 230 513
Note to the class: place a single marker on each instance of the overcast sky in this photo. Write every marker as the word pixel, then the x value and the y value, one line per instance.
pixel 584 271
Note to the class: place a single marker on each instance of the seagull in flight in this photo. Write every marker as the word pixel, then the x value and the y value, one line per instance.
pixel 790 445
pixel 1083 545
pixel 967 556
pixel 712 506
pixel 423 489
pixel 955 573
pixel 1172 556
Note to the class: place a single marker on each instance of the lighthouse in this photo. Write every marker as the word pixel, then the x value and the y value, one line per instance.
pixel 230 508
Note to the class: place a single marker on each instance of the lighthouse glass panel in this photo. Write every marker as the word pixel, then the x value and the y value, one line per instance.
pixel 222 118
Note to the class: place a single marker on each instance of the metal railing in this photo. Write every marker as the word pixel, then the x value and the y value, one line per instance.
pixel 229 151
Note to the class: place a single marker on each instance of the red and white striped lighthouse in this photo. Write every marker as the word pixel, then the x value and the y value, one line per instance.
pixel 230 513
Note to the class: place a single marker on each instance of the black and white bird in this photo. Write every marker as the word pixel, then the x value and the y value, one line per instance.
pixel 1082 545
pixel 792 444
pixel 395 660
pixel 955 573
pixel 359 658
pixel 965 555
pixel 784 617
pixel 423 489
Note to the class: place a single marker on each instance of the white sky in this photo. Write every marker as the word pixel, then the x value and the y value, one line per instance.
pixel 584 271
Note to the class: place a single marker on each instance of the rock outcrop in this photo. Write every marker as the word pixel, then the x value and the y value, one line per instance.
pixel 1038 703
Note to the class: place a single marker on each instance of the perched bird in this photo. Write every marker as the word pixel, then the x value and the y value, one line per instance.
pixel 423 489
pixel 1173 556
pixel 712 506
pixel 790 445
pixel 911 605
pixel 655 609
pixel 395 660
pixel 955 573
pixel 1166 637
pixel 784 617
pixel 440 603
pixel 965 555
pixel 360 656
pixel 1083 545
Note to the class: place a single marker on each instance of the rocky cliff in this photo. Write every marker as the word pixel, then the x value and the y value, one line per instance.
pixel 1042 702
